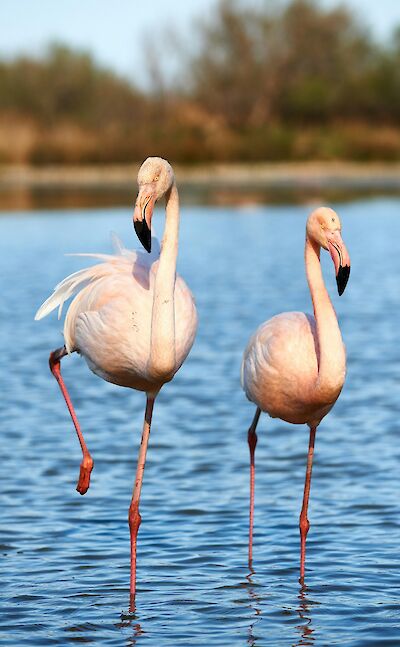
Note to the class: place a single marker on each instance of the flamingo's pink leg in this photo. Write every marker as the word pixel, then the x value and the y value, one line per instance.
pixel 304 523
pixel 134 514
pixel 87 461
pixel 252 440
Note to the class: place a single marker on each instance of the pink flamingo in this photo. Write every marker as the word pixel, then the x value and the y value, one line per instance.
pixel 294 365
pixel 133 319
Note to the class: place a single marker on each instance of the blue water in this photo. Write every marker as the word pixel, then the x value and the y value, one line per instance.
pixel 65 558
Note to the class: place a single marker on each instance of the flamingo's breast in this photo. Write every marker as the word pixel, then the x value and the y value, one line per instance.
pixel 115 334
pixel 280 367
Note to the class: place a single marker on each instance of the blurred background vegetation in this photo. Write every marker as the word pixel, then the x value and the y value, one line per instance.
pixel 293 82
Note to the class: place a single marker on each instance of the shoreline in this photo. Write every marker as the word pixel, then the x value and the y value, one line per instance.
pixel 268 176
pixel 26 189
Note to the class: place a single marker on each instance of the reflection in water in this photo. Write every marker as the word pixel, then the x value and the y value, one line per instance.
pixel 137 631
pixel 255 603
pixel 25 198
pixel 305 628
pixel 135 627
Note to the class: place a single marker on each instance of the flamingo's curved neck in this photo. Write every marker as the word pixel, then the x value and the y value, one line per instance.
pixel 162 344
pixel 331 357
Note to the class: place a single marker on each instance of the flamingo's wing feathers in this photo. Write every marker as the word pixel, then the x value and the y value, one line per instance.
pixel 144 258
pixel 111 263
pixel 74 283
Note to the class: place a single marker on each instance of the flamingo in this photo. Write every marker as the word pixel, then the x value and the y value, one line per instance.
pixel 294 365
pixel 133 319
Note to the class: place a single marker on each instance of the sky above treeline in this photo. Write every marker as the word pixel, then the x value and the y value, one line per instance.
pixel 115 32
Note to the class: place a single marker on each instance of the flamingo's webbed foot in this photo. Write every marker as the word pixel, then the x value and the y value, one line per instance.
pixel 84 475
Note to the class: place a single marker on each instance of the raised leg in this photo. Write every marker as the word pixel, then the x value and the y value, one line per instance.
pixel 87 461
pixel 134 514
pixel 304 523
pixel 252 440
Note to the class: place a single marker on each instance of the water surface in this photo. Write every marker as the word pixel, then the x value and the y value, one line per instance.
pixel 65 558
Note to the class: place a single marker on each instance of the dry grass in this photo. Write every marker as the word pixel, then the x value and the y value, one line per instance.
pixel 193 140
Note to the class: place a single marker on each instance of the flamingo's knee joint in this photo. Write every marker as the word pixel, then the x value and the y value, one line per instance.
pixel 252 439
pixel 134 518
pixel 55 361
pixel 304 525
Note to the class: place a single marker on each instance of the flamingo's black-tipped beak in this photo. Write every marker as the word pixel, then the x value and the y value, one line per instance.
pixel 342 277
pixel 341 259
pixel 143 233
pixel 143 214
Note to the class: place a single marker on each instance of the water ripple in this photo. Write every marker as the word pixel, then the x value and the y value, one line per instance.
pixel 65 558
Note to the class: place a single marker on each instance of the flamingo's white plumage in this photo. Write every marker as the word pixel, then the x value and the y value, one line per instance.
pixel 132 318
pixel 109 320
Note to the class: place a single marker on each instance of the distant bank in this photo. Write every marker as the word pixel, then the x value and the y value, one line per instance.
pixel 23 187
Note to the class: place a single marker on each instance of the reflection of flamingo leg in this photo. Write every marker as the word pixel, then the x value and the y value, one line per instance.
pixel 255 603
pixel 87 461
pixel 304 523
pixel 304 612
pixel 252 440
pixel 134 514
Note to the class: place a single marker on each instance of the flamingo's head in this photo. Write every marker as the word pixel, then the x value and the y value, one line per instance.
pixel 155 179
pixel 324 228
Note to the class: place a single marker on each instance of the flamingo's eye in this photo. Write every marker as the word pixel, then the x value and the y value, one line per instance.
pixel 157 177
